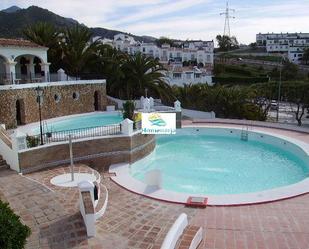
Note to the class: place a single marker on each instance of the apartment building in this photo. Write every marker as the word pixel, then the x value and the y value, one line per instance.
pixel 291 44
pixel 197 56
pixel 199 51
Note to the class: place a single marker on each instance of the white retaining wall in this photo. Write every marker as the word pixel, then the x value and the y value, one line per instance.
pixel 252 123
pixel 198 114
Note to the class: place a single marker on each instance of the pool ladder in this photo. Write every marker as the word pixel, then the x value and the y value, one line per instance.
pixel 244 134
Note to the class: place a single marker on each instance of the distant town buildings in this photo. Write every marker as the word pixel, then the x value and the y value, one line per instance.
pixel 291 44
pixel 189 62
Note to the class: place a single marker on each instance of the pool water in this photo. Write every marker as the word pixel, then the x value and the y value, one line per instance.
pixel 83 121
pixel 211 164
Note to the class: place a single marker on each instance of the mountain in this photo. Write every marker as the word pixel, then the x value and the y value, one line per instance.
pixel 11 9
pixel 14 19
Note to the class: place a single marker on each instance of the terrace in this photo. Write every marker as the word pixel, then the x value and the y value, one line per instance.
pixel 133 219
pixel 135 222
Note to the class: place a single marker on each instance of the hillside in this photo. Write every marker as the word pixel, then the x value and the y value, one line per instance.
pixel 13 20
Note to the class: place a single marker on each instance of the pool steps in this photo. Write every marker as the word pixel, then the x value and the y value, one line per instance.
pixel 244 134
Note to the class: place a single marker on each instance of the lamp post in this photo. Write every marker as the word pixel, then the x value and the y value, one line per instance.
pixel 146 91
pixel 279 88
pixel 39 92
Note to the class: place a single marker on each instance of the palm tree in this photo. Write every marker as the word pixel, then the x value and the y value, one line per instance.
pixel 109 64
pixel 45 34
pixel 142 73
pixel 77 49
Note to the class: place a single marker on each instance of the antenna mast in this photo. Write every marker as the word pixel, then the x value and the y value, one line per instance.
pixel 227 13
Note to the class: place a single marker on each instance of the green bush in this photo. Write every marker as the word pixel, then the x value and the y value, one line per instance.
pixel 238 70
pixel 13 233
pixel 239 80
pixel 128 110
pixel 253 112
pixel 32 141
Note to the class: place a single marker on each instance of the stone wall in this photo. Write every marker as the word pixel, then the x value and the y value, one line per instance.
pixel 98 153
pixel 57 101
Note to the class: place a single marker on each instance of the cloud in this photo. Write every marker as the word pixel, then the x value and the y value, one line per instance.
pixel 158 10
pixel 194 19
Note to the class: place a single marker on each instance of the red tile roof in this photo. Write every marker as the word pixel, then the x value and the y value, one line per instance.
pixel 18 43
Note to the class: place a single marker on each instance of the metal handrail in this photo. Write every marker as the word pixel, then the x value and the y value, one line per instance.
pixel 61 136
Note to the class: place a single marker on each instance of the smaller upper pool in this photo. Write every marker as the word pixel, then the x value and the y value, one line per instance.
pixel 80 121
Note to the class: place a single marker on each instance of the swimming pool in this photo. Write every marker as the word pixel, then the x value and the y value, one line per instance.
pixel 210 161
pixel 79 121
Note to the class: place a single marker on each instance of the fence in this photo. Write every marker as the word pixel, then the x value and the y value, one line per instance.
pixel 60 136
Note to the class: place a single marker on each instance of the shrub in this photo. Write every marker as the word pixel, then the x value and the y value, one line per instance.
pixel 238 70
pixel 13 233
pixel 128 110
pixel 32 141
pixel 239 80
pixel 253 112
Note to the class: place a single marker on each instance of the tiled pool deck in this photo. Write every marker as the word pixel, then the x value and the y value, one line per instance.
pixel 133 221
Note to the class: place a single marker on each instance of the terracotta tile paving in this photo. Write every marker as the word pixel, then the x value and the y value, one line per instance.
pixel 132 221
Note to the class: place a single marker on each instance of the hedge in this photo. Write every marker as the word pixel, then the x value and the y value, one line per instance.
pixel 237 70
pixel 239 80
pixel 13 233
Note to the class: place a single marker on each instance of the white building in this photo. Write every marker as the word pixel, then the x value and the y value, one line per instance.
pixel 177 75
pixel 296 52
pixel 22 61
pixel 291 44
pixel 200 53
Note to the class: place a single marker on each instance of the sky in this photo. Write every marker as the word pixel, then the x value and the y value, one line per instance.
pixel 182 19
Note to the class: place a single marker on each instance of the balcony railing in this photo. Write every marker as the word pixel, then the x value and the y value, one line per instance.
pixel 10 79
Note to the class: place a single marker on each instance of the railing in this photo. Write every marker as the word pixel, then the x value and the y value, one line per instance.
pixel 10 79
pixel 5 137
pixel 60 136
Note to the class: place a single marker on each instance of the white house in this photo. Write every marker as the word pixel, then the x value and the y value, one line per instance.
pixel 177 75
pixel 22 61
pixel 296 52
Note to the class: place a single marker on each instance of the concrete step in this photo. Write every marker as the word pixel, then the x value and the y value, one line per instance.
pixel 4 166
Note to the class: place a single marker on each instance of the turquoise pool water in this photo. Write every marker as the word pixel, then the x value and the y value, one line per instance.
pixel 210 164
pixel 83 121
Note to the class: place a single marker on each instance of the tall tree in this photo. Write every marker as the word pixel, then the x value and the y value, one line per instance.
pixel 227 43
pixel 78 50
pixel 163 40
pixel 142 73
pixel 109 63
pixel 297 93
pixel 46 35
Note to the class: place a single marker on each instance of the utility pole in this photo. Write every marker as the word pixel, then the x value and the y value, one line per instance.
pixel 228 16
